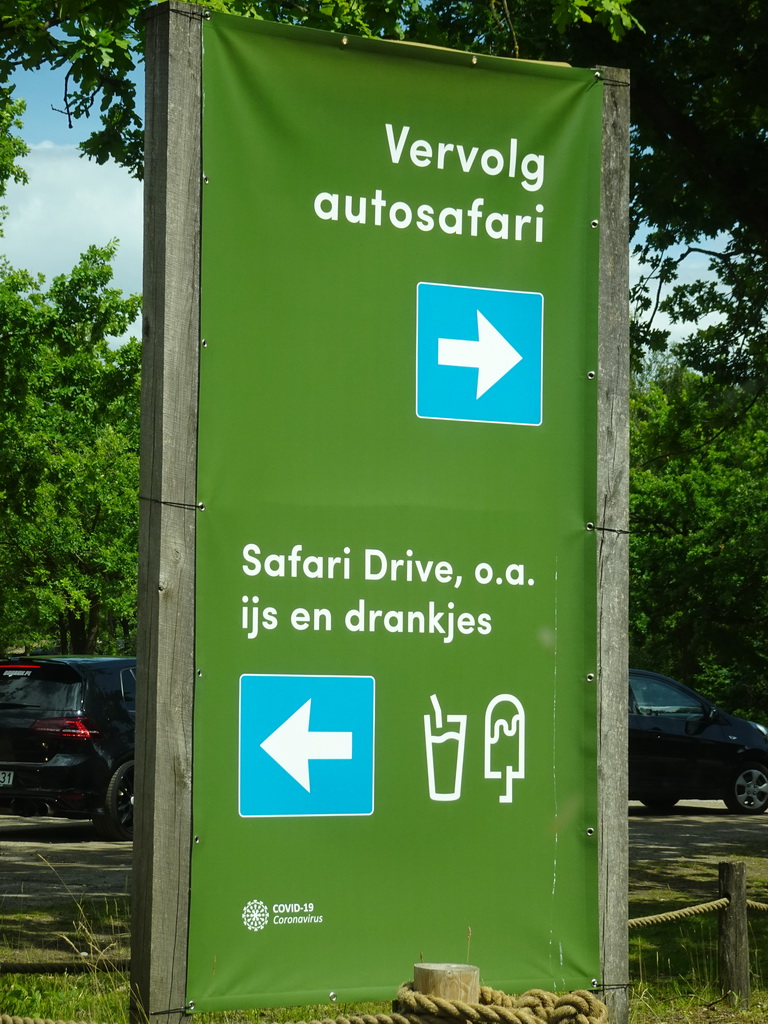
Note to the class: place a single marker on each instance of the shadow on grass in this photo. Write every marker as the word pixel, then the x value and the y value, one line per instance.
pixel 92 929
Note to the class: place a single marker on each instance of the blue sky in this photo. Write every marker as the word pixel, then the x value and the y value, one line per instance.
pixel 70 201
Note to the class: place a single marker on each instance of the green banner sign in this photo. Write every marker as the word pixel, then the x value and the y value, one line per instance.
pixel 395 710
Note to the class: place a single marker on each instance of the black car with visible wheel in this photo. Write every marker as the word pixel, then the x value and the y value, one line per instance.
pixel 67 739
pixel 681 746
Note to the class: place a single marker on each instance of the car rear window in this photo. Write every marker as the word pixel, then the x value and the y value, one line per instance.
pixel 52 687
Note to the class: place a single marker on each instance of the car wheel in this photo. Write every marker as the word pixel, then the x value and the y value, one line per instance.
pixel 117 820
pixel 660 805
pixel 747 791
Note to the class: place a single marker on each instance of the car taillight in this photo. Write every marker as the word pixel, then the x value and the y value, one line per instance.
pixel 68 728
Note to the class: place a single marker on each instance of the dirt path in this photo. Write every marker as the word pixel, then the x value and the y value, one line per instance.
pixel 700 831
pixel 46 860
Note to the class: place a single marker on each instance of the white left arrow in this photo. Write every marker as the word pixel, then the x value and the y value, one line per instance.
pixel 492 354
pixel 293 746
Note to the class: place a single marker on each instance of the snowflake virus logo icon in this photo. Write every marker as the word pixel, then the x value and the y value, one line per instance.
pixel 255 915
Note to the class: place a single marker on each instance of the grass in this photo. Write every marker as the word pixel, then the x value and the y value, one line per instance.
pixel 681 1007
pixel 90 936
pixel 89 997
pixel 673 967
pixel 96 931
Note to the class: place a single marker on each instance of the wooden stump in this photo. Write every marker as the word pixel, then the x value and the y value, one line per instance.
pixel 458 982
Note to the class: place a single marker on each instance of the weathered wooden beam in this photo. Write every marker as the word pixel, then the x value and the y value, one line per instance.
pixel 167 518
pixel 733 933
pixel 613 541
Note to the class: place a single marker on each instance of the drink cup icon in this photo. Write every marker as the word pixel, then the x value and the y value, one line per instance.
pixel 445 753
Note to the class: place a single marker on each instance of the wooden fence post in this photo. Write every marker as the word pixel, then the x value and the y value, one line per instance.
pixel 613 548
pixel 733 942
pixel 167 514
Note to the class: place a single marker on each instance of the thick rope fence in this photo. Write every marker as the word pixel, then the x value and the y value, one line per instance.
pixel 733 953
pixel 679 915
pixel 495 1007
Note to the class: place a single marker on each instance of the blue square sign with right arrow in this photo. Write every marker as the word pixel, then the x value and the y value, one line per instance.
pixel 480 354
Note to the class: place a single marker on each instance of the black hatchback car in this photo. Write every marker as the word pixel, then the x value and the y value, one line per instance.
pixel 683 746
pixel 67 739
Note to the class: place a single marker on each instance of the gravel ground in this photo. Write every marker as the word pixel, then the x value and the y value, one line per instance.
pixel 47 859
pixel 44 859
pixel 697 830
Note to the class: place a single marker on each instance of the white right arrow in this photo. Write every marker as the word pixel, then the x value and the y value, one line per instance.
pixel 491 354
pixel 293 746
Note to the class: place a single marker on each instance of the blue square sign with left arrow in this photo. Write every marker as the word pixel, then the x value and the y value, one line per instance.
pixel 306 745
pixel 479 354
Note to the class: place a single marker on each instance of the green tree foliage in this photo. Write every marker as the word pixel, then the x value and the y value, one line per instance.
pixel 69 419
pixel 12 146
pixel 699 107
pixel 68 402
pixel 95 43
pixel 699 556
pixel 699 102
pixel 99 43
pixel 700 139
pixel 699 549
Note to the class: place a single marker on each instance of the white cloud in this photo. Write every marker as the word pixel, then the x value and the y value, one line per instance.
pixel 69 204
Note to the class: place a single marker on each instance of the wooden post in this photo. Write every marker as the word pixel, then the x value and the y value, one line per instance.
pixel 167 513
pixel 733 940
pixel 613 541
pixel 458 982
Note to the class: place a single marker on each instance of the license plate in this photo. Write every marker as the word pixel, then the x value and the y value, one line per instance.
pixel 6 778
